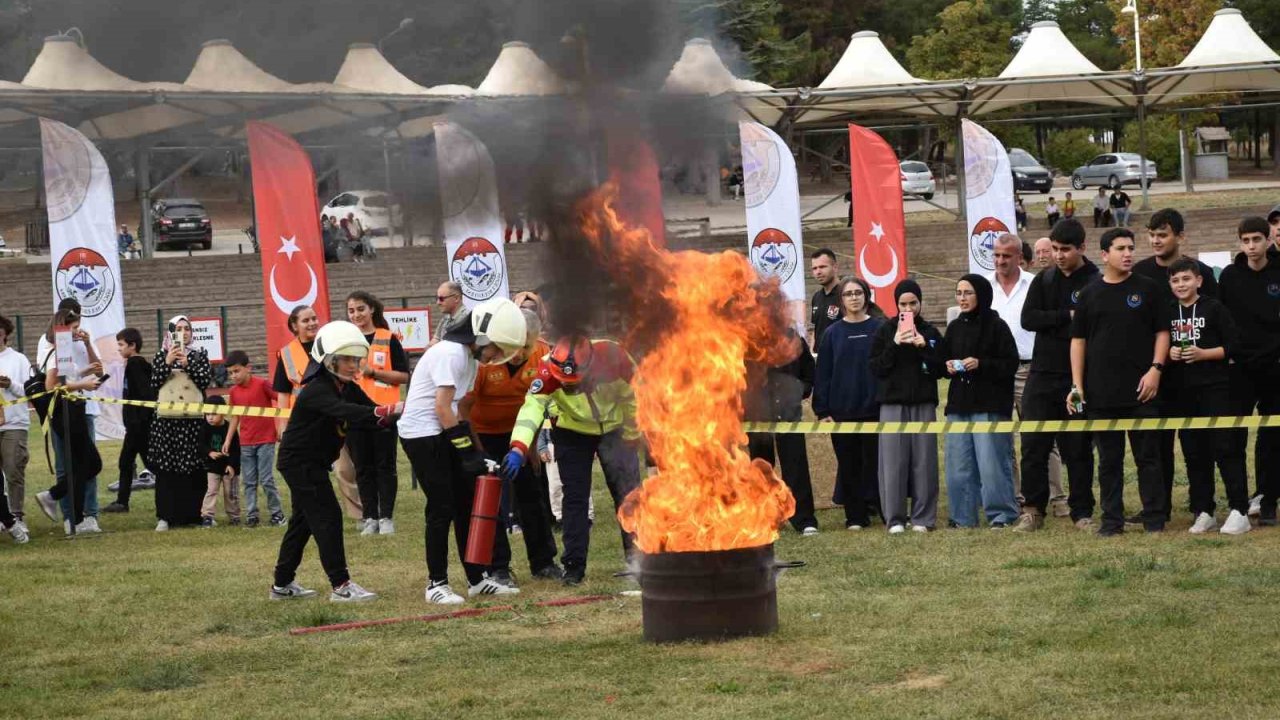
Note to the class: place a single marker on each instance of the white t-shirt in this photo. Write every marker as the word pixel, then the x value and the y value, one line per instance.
pixel 446 364
pixel 1009 308
pixel 15 366
pixel 81 356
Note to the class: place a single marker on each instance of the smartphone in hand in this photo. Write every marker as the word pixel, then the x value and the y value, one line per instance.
pixel 907 322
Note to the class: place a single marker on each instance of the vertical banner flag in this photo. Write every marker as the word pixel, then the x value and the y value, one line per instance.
pixel 988 190
pixel 879 232
pixel 633 167
pixel 288 225
pixel 82 247
pixel 774 244
pixel 472 222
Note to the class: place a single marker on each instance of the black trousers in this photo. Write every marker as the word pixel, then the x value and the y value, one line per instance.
pixel 1145 445
pixel 535 519
pixel 373 452
pixel 449 496
pixel 857 475
pixel 1259 388
pixel 316 513
pixel 179 496
pixel 1202 449
pixel 6 518
pixel 1044 398
pixel 793 459
pixel 575 453
pixel 132 450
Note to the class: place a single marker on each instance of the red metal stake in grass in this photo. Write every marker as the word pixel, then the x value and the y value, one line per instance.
pixel 469 613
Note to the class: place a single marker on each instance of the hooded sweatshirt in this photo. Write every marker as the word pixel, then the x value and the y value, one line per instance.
pixel 1047 312
pixel 908 374
pixel 846 388
pixel 1253 299
pixel 981 334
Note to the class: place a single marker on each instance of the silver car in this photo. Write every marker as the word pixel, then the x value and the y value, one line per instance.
pixel 916 179
pixel 1113 170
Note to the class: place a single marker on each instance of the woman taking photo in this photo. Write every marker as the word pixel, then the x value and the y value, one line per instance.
pixel 845 391
pixel 179 373
pixel 373 451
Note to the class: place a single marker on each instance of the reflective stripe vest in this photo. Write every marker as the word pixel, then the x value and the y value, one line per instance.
pixel 379 358
pixel 604 402
pixel 295 360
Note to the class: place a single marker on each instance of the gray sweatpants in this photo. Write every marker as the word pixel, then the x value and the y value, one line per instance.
pixel 909 466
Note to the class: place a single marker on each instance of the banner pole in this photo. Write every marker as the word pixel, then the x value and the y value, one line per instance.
pixel 67 460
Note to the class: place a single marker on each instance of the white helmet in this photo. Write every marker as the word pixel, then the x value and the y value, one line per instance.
pixel 499 322
pixel 338 338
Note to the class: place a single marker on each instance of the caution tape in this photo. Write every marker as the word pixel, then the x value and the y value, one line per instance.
pixel 191 408
pixel 948 427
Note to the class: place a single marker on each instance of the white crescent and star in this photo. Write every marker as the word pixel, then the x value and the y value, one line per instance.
pixel 289 246
pixel 874 280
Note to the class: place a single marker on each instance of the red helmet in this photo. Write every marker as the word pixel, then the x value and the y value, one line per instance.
pixel 570 359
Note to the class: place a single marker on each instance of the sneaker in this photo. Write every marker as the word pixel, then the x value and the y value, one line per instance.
pixel 441 594
pixel 1236 524
pixel 1204 523
pixel 809 531
pixel 1060 508
pixel 277 520
pixel 505 577
pixel 490 586
pixel 18 533
pixel 574 576
pixel 208 522
pixel 1110 532
pixel 351 592
pixel 897 529
pixel 852 527
pixel 998 525
pixel 550 571
pixel 1255 505
pixel 162 526
pixel 386 527
pixel 1029 521
pixel 1267 518
pixel 1086 524
pixel 47 504
pixel 114 487
pixel 369 526
pixel 292 591
pixel 146 480
pixel 1134 519
pixel 252 522
pixel 234 522
pixel 515 530
pixel 89 525
pixel 921 529
pixel 116 507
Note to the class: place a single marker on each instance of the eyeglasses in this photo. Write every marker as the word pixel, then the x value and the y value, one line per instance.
pixel 853 293
pixel 965 293
pixel 442 298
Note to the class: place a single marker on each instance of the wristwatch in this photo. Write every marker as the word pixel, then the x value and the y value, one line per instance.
pixel 1158 365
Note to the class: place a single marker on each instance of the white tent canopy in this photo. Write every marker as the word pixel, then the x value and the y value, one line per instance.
pixel 868 79
pixel 701 71
pixel 519 71
pixel 1230 57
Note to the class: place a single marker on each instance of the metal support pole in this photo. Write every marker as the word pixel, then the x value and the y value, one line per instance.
pixel 1188 181
pixel 145 232
pixel 1142 153
pixel 64 404
pixel 711 168
pixel 961 185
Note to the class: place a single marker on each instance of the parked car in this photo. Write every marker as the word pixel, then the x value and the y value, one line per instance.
pixel 1113 170
pixel 181 222
pixel 916 179
pixel 1028 173
pixel 377 211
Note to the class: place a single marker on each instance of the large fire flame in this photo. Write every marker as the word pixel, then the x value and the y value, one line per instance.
pixel 707 494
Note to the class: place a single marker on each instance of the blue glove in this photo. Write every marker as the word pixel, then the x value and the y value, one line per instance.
pixel 511 464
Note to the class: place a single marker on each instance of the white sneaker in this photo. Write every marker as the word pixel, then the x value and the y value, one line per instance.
pixel 50 506
pixel 351 592
pixel 919 529
pixel 1255 505
pixel 489 586
pixel 1236 524
pixel 896 529
pixel 368 526
pixel 386 527
pixel 162 526
pixel 809 531
pixel 853 527
pixel 18 532
pixel 442 594
pixel 292 591
pixel 1204 523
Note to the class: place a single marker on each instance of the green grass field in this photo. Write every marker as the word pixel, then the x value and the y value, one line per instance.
pixel 954 624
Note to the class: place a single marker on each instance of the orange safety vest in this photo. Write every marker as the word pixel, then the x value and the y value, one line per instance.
pixel 295 360
pixel 379 358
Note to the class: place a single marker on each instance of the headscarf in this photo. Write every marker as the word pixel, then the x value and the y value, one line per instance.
pixel 907 286
pixel 984 292
pixel 172 326
pixel 540 307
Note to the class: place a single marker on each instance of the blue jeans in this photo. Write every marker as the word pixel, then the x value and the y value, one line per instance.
pixel 256 463
pixel 980 473
pixel 90 490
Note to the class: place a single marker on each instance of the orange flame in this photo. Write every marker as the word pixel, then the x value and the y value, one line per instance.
pixel 708 494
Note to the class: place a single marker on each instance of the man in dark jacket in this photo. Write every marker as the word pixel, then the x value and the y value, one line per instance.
pixel 1052 300
pixel 137 420
pixel 775 396
pixel 1251 292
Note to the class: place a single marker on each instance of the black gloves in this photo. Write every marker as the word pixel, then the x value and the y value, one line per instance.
pixel 472 458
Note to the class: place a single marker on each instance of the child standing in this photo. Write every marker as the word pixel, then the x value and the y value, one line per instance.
pixel 1198 384
pixel 222 464
pixel 256 437
pixel 137 420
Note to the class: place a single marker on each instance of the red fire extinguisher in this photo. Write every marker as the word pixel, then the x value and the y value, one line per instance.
pixel 484 520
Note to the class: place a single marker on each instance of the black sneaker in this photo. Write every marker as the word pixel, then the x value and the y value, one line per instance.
pixel 277 520
pixel 504 577
pixel 207 522
pixel 574 576
pixel 1154 527
pixel 116 507
pixel 1268 517
pixel 550 571
pixel 1110 532
pixel 1134 519
pixel 252 522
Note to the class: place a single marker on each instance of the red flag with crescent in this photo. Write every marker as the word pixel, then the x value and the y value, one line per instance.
pixel 633 167
pixel 879 233
pixel 288 227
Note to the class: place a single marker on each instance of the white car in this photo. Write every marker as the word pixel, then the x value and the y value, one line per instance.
pixel 377 211
pixel 917 179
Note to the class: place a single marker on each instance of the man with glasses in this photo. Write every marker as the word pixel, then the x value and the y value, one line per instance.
pixel 449 299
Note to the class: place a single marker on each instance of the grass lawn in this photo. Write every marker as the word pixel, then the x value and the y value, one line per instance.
pixel 953 624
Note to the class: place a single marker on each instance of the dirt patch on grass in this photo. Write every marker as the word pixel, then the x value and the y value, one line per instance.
pixel 921 681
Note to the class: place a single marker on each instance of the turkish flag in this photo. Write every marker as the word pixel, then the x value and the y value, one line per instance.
pixel 879 233
pixel 633 167
pixel 288 227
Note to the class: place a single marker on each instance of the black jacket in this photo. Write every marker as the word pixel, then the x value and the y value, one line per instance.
pixel 319 421
pixel 1253 299
pixel 137 384
pixel 981 334
pixel 908 374
pixel 1047 313
pixel 775 394
pixel 1150 268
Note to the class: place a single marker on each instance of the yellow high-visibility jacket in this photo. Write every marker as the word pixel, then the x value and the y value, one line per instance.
pixel 603 402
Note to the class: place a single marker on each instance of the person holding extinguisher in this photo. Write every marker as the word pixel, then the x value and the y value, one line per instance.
pixel 437 438
pixel 373 452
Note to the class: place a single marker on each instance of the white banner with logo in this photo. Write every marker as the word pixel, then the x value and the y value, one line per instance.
pixel 472 220
pixel 83 253
pixel 988 184
pixel 774 243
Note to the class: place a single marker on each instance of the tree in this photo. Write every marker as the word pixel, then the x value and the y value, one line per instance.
pixel 756 26
pixel 970 39
pixel 1067 150
pixel 1262 15
pixel 1170 28
pixel 1088 25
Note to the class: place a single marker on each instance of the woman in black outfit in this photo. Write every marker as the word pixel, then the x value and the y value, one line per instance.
pixel 178 371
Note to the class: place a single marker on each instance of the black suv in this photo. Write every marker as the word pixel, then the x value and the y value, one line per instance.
pixel 1028 173
pixel 181 221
